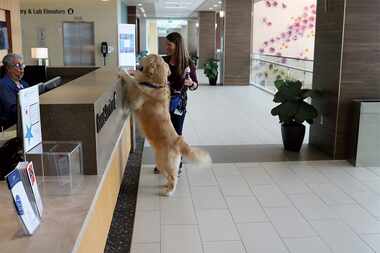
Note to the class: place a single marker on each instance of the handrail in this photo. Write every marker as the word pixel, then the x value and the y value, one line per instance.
pixel 286 57
pixel 283 65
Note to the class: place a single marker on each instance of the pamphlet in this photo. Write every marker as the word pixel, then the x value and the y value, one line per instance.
pixel 28 218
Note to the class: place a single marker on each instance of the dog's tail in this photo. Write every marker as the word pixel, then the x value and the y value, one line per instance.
pixel 195 155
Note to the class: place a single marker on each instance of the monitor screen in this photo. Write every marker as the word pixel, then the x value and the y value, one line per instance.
pixel 34 74
pixel 52 83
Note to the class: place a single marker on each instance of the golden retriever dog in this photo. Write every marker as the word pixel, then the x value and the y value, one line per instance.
pixel 148 95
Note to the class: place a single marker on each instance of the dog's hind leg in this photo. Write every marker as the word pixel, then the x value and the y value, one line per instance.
pixel 171 175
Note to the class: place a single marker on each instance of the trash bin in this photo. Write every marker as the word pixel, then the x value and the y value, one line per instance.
pixel 366 139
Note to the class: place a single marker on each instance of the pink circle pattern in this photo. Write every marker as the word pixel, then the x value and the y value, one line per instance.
pixel 298 29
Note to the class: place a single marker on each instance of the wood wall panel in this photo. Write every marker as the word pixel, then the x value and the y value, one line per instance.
pixel 207 46
pixel 360 66
pixel 347 67
pixel 327 58
pixel 237 43
pixel 14 7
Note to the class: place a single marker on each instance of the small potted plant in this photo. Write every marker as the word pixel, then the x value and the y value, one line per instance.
pixel 194 59
pixel 211 71
pixel 141 55
pixel 293 111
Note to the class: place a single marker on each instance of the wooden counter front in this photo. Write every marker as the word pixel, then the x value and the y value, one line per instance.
pixel 87 109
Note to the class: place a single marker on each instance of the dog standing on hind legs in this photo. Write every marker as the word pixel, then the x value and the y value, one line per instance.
pixel 148 95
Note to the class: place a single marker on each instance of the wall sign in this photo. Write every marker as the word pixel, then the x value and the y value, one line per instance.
pixel 29 102
pixel 101 118
pixel 45 11
pixel 127 45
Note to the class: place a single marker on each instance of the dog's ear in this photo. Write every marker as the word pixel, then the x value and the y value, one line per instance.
pixel 122 75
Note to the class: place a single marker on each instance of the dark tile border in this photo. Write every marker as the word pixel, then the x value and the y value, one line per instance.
pixel 252 153
pixel 120 234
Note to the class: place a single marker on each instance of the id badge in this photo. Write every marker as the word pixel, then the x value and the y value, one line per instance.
pixel 178 112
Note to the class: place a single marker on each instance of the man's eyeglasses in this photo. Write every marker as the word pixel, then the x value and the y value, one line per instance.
pixel 19 66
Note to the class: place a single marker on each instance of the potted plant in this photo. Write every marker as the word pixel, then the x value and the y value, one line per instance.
pixel 194 59
pixel 211 71
pixel 141 55
pixel 293 111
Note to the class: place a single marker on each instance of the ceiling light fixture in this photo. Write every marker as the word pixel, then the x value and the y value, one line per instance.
pixel 221 14
pixel 219 2
pixel 140 4
pixel 210 8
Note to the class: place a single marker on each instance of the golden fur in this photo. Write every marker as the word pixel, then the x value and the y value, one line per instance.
pixel 151 107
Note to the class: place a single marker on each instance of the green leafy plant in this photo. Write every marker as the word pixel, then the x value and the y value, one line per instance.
pixel 211 69
pixel 194 59
pixel 141 55
pixel 292 106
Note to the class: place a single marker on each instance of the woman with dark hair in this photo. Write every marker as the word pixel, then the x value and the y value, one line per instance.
pixel 183 77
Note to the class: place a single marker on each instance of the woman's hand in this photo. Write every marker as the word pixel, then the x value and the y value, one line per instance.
pixel 189 82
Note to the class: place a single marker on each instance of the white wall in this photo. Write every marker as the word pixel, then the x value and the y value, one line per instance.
pixel 284 27
pixel 103 14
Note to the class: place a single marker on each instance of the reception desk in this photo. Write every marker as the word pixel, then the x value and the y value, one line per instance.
pixel 77 221
pixel 87 109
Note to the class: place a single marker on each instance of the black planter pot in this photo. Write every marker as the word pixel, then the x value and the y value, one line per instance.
pixel 292 136
pixel 212 81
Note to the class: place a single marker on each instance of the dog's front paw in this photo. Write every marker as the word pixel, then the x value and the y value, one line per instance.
pixel 166 192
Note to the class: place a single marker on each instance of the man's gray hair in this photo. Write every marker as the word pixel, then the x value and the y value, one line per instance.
pixel 9 59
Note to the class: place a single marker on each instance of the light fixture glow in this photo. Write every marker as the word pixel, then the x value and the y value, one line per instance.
pixel 221 14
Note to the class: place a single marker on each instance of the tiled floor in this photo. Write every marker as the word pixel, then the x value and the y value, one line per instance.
pixel 284 207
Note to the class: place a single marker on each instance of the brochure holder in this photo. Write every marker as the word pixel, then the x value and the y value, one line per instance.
pixel 58 163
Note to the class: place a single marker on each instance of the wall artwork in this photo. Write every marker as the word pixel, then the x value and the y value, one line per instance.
pixel 4 40
pixel 285 28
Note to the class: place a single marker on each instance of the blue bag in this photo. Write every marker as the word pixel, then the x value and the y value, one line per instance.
pixel 175 102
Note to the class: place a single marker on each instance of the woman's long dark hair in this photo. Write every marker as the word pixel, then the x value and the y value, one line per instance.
pixel 181 53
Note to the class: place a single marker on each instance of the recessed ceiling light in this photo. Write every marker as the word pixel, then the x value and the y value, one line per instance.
pixel 219 2
pixel 104 0
pixel 215 5
pixel 140 4
pixel 210 8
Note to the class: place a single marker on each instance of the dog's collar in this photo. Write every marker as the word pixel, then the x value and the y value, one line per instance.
pixel 151 85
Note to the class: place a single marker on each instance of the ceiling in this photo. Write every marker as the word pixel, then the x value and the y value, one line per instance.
pixel 174 8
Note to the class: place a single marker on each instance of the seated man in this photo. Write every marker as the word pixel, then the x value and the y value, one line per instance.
pixel 10 85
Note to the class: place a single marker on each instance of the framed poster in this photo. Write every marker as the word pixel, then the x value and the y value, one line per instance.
pixel 4 41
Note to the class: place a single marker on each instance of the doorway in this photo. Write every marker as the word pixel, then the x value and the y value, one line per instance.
pixel 78 44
